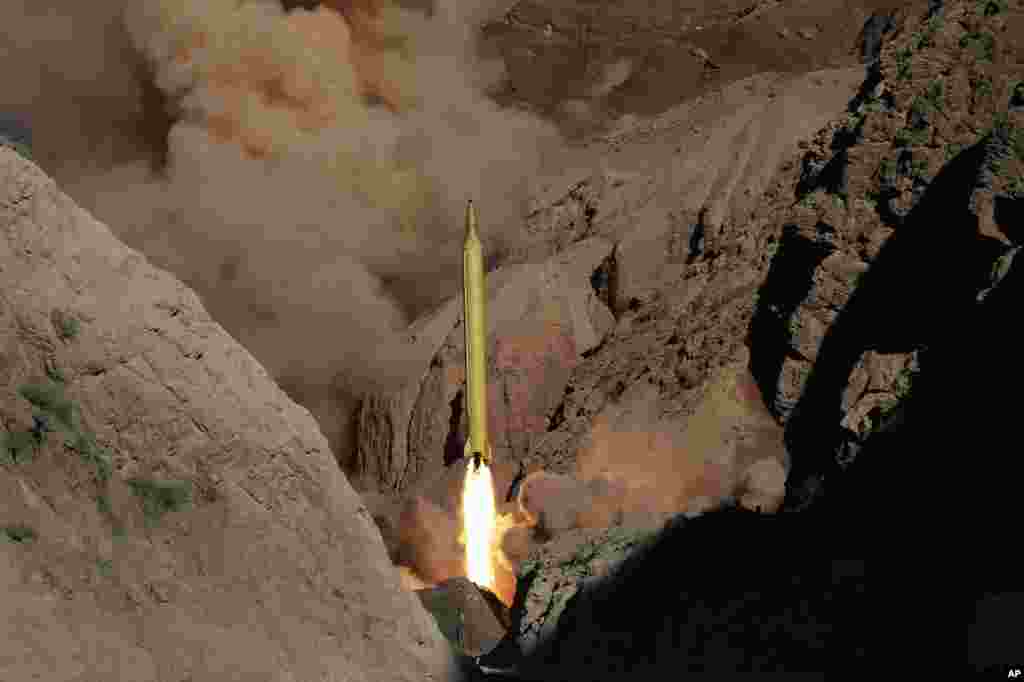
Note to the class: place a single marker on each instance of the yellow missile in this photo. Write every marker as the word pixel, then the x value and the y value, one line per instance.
pixel 474 307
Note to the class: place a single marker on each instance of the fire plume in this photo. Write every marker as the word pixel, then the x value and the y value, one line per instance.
pixel 479 523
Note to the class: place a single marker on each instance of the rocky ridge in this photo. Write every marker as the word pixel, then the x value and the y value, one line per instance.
pixel 166 511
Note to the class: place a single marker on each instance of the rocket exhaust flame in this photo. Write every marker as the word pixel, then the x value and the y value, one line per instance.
pixel 479 514
pixel 479 518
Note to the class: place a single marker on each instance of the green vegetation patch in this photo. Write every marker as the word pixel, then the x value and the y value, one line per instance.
pixel 990 8
pixel 911 137
pixel 903 386
pixel 887 169
pixel 65 324
pixel 980 43
pixel 1016 187
pixel 919 168
pixel 160 497
pixel 19 533
pixel 1004 130
pixel 17 447
pixel 618 543
pixel 55 373
pixel 983 87
pixel 935 95
pixel 953 149
pixel 49 399
pixel 926 36
pixel 55 412
pixel 1017 92
pixel 903 63
pixel 17 146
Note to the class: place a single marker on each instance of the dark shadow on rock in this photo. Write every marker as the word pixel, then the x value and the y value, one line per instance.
pixel 870 41
pixel 454 442
pixel 604 280
pixel 811 166
pixel 1009 216
pixel 835 176
pixel 789 281
pixel 920 288
pixel 682 604
pixel 698 232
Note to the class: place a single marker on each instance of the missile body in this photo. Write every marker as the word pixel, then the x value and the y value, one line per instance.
pixel 474 307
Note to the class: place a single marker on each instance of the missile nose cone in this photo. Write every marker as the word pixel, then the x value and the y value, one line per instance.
pixel 471 231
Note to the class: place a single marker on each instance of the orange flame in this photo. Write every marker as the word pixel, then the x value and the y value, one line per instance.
pixel 479 523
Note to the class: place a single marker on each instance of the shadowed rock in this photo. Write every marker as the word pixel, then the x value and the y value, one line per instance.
pixel 472 618
pixel 675 602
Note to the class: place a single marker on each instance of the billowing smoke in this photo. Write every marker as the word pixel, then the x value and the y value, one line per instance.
pixel 305 170
pixel 653 469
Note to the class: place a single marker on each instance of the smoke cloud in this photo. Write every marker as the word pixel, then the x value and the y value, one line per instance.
pixel 304 169
pixel 652 469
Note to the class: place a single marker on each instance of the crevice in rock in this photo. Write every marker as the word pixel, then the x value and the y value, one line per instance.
pixel 811 166
pixel 604 280
pixel 453 443
pixel 835 175
pixel 871 38
pixel 507 400
pixel 790 279
pixel 557 417
pixel 697 236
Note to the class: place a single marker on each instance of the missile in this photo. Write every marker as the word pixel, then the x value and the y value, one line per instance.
pixel 474 298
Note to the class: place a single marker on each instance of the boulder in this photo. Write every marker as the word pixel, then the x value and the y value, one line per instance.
pixel 540 318
pixel 473 619
pixel 172 514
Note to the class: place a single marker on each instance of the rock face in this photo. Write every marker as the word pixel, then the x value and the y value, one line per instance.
pixel 556 571
pixel 541 319
pixel 170 513
pixel 566 57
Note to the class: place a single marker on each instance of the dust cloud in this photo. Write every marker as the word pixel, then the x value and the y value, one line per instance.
pixel 652 470
pixel 304 169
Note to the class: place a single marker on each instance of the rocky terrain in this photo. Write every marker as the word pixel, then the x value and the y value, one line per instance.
pixel 167 512
pixel 775 268
pixel 836 288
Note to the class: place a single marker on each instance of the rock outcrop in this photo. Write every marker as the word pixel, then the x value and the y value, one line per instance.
pixel 169 513
pixel 472 619
pixel 556 571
